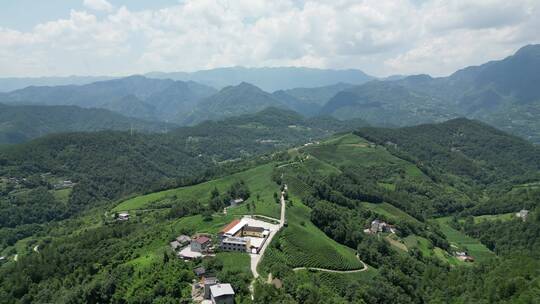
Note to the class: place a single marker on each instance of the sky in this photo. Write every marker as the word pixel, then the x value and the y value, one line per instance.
pixel 380 37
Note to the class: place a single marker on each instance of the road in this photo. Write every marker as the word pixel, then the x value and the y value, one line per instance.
pixel 256 258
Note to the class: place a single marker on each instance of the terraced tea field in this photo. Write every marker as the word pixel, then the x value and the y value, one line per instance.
pixel 258 180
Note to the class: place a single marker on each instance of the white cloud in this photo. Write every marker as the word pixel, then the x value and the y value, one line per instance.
pixel 98 5
pixel 378 36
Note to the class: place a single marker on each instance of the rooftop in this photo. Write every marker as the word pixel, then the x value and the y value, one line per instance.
pixel 235 240
pixel 256 229
pixel 230 226
pixel 202 240
pixel 221 290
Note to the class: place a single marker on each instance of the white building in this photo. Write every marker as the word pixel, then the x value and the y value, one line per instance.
pixel 222 294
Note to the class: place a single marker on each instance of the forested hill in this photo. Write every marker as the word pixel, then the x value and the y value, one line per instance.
pixel 463 147
pixel 107 165
pixel 22 123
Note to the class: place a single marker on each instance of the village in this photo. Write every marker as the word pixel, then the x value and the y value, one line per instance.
pixel 249 234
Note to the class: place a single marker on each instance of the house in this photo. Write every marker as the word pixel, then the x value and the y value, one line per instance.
pixel 259 232
pixel 235 244
pixel 207 283
pixel 236 202
pixel 175 245
pixel 199 271
pixel 240 236
pixel 123 216
pixel 231 229
pixel 380 226
pixel 200 244
pixel 222 294
pixel 463 256
pixel 238 228
pixel 523 214
pixel 183 239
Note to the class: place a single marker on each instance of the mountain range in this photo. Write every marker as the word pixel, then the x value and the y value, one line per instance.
pixel 136 96
pixel 502 93
pixel 270 78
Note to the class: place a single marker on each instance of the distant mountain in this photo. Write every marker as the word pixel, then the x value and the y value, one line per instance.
pixel 386 104
pixel 135 96
pixel 231 101
pixel 22 123
pixel 502 93
pixel 16 83
pixel 308 101
pixel 270 79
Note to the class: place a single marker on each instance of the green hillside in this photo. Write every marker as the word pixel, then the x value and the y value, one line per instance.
pixel 23 123
pixel 258 180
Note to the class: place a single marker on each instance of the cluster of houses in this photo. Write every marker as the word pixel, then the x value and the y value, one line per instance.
pixel 378 226
pixel 240 236
pixel 194 247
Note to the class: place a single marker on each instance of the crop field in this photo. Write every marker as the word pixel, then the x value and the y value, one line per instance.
pixel 302 244
pixel 390 212
pixel 352 150
pixel 257 179
pixel 459 239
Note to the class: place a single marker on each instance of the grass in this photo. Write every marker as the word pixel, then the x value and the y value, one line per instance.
pixel 235 261
pixel 389 211
pixel 62 194
pixel 493 217
pixel 395 242
pixel 459 239
pixel 196 223
pixel 258 180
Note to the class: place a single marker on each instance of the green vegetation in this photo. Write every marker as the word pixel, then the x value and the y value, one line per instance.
pixel 464 242
pixel 302 244
pixel 390 212
pixel 258 180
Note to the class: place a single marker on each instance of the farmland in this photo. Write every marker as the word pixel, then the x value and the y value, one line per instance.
pixel 257 179
pixel 459 239
pixel 302 244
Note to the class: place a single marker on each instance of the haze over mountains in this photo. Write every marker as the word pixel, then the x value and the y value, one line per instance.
pixel 502 93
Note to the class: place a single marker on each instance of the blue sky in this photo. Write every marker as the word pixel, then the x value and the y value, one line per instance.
pixel 380 37
pixel 25 14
